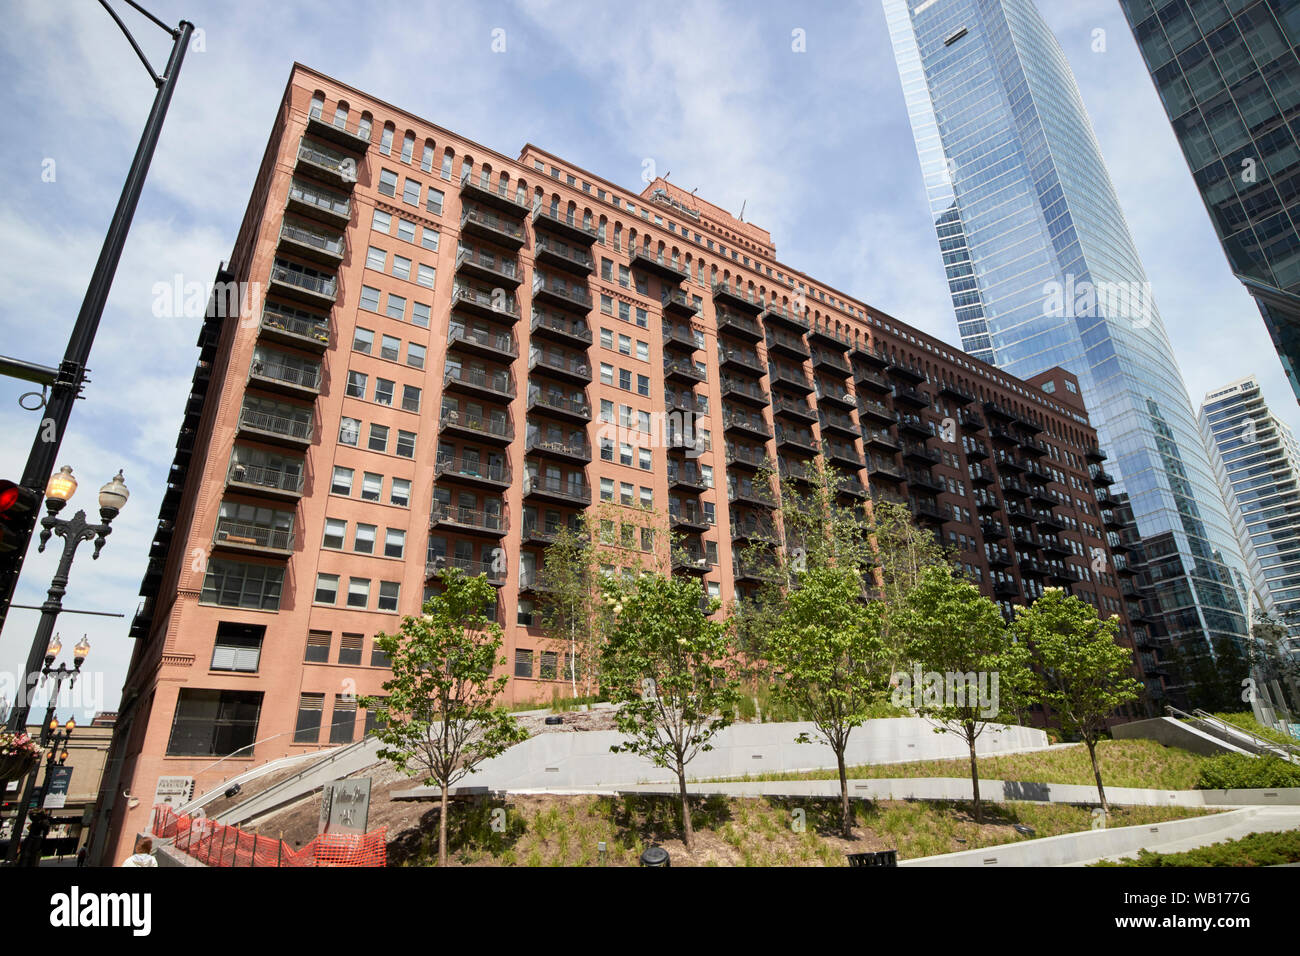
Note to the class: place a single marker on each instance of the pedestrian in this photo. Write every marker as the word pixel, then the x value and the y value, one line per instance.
pixel 81 856
pixel 143 855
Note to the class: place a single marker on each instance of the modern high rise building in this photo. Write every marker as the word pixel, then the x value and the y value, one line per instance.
pixel 452 353
pixel 1043 272
pixel 1259 467
pixel 1228 75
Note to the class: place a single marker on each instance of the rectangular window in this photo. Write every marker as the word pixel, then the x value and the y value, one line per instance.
pixel 336 530
pixel 389 593
pixel 390 346
pixel 378 438
pixel 410 398
pixel 607 304
pixel 327 588
pixel 341 483
pixel 396 308
pixel 213 723
pixel 425 276
pixel 405 444
pixel 318 647
pixel 372 486
pixel 363 340
pixel 356 387
pixel 376 259
pixel 547 668
pixel 411 192
pixel 307 729
pixel 606 410
pixel 434 203
pixel 607 489
pixel 381 222
pixel 358 592
pixel 415 355
pixel 643 385
pixel 235 584
pixel 238 648
pixel 430 238
pixel 387 183
pixel 401 269
pixel 343 724
pixel 643 350
pixel 350 648
pixel 384 391
pixel 606 374
pixel 400 493
pixel 406 230
pixel 446 166
pixel 420 314
pixel 523 663
pixel 644 455
pixel 363 541
pixel 625 344
pixel 370 298
pixel 606 339
pixel 625 379
pixel 394 543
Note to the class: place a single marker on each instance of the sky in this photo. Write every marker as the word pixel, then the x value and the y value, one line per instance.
pixel 814 143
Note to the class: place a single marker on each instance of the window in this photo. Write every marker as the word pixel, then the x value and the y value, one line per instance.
pixel 524 612
pixel 606 339
pixel 356 387
pixel 626 490
pixel 349 431
pixel 547 668
pixel 358 592
pixel 410 398
pixel 647 539
pixel 363 541
pixel 606 449
pixel 378 658
pixel 394 543
pixel 378 438
pixel 212 723
pixel 429 239
pixel 400 493
pixel 425 276
pixel 387 183
pixel 523 663
pixel 607 489
pixel 369 296
pixel 343 724
pixel 647 498
pixel 434 204
pixel 445 173
pixel 607 304
pixel 381 222
pixel 644 455
pixel 606 410
pixel 625 379
pixel 406 230
pixel 376 259
pixel 341 482
pixel 238 647
pixel 643 385
pixel 327 588
pixel 384 391
pixel 411 192
pixel 396 308
pixel 643 350
pixel 420 314
pixel 318 647
pixel 405 444
pixel 310 708
pixel 401 270
pixel 390 346
pixel 624 453
pixel 625 344
pixel 372 486
pixel 642 318
pixel 363 339
pixel 389 592
pixel 336 530
pixel 606 374
pixel 415 355
pixel 350 648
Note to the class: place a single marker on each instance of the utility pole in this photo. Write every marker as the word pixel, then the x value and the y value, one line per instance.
pixel 69 378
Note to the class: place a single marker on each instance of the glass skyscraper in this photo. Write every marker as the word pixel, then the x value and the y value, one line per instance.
pixel 1228 75
pixel 1258 464
pixel 1043 271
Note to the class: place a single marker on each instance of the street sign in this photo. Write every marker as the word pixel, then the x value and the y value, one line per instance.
pixel 174 791
pixel 345 806
pixel 56 792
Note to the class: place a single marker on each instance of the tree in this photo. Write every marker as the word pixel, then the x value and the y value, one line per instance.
pixel 1085 676
pixel 826 647
pixel 569 606
pixel 902 552
pixel 665 664
pixel 441 717
pixel 968 672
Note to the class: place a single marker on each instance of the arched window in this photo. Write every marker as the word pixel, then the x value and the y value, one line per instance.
pixel 363 127
pixel 555 207
pixel 341 115
pixel 448 158
pixel 586 219
pixel 386 140
pixel 466 167
pixel 521 192
pixel 618 237
pixel 317 105
pixel 408 146
pixel 426 158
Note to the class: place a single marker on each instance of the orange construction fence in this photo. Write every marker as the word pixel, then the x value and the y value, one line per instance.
pixel 217 844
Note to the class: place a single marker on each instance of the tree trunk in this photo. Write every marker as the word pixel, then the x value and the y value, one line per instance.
pixel 1096 772
pixel 975 781
pixel 442 829
pixel 688 835
pixel 846 819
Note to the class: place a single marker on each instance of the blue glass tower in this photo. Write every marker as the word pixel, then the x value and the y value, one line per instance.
pixel 1043 271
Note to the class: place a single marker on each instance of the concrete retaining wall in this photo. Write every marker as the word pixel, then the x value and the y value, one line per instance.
pixel 1176 733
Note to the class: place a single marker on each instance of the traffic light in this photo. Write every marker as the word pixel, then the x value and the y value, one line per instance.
pixel 18 506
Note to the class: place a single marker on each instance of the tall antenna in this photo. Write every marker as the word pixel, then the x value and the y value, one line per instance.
pixel 741 217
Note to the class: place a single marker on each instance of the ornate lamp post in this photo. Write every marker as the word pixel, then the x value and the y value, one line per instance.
pixel 45 647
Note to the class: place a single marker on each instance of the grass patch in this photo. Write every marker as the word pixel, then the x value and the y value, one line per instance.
pixel 1255 849
pixel 1246 721
pixel 547 830
pixel 1124 763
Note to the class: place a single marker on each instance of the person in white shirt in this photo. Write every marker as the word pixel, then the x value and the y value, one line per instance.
pixel 143 855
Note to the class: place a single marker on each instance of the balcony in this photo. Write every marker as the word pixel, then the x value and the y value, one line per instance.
pixel 923 478
pixel 800 440
pixel 1009 463
pixel 884 469
pixel 904 395
pixel 559 293
pixel 316 202
pixel 550 251
pixel 677 302
pixel 1042 496
pixel 743 456
pixel 574 451
pixel 796 470
pixel 546 533
pixel 1048 520
pixel 880 439
pixel 1012 487
pixel 988 504
pixel 901 369
pixel 570 368
pixel 495 574
pixel 756 570
pixel 498 431
pixel 472 471
pixel 837 423
pixel 572 490
pixel 560 328
pixel 686 402
pixel 869 411
pixel 796 408
pixel 477 264
pixel 496 386
pixel 915 426
pixel 689 520
pixel 742 359
pixel 994 410
pixel 569 225
pixel 745 422
pixel 500 306
pixel 727 296
pixel 852 488
pixel 232 535
pixel 993 531
pixel 747 493
pixel 872 357
pixel 265 480
pixel 557 405
pixel 298 240
pixel 830 360
pixel 680 336
pixel 303 284
pixel 340 135
pixel 1095 454
pixel 1111 521
pixel 752 530
pixel 690 562
pixel 779 315
pixel 789 378
pixel 449 517
pixel 999 433
pixel 970 421
pixel 1035 447
pixel 787 343
pixel 931 511
pixel 751 393
pixel 1006 588
pixel 870 381
pixel 915 452
pixel 488 225
pixel 683 370
pixel 687 478
pixel 299 381
pixel 1102 477
pixel 977 452
pixel 494 194
pixel 953 390
pixel 295 328
pixel 317 159
pixel 829 393
pixel 740 325
pixel 275 429
pixel 498 346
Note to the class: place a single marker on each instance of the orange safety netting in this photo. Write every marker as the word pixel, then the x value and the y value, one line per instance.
pixel 217 844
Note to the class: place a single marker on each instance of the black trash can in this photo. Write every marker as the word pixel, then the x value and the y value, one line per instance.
pixel 655 856
pixel 876 858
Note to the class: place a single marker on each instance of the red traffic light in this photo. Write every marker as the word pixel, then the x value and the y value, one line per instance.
pixel 9 495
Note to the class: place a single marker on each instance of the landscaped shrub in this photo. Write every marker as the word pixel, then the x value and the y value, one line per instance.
pixel 1239 771
pixel 1255 849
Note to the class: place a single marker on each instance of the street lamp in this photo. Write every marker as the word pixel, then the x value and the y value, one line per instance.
pixel 46 645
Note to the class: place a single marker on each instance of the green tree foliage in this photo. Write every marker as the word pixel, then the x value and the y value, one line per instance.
pixel 441 718
pixel 665 664
pixel 569 607
pixel 1085 676
pixel 827 650
pixel 956 635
